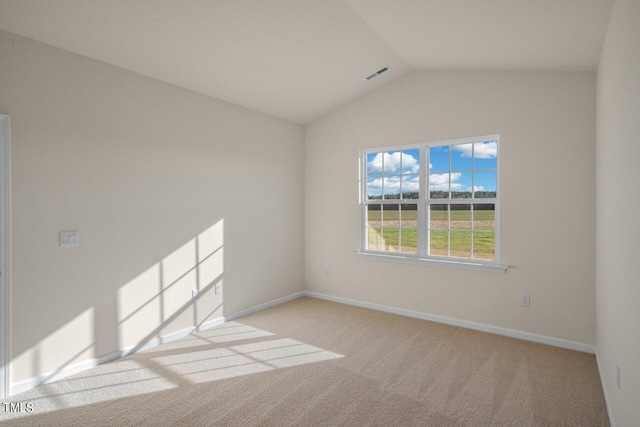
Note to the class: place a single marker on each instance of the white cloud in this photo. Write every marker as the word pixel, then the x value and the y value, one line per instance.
pixel 465 149
pixel 410 183
pixel 437 182
pixel 392 185
pixel 393 162
pixel 440 182
pixel 374 187
pixel 484 150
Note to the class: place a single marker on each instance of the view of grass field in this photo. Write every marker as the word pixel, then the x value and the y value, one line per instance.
pixel 450 232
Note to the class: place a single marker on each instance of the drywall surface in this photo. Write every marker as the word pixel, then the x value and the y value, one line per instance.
pixel 618 201
pixel 547 125
pixel 170 190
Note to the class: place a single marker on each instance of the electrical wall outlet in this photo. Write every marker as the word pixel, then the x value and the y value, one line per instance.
pixel 326 272
pixel 218 288
pixel 194 293
pixel 618 376
pixel 525 300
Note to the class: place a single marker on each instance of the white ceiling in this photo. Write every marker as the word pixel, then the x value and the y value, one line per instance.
pixel 299 59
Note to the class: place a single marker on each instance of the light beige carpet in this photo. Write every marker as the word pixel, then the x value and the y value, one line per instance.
pixel 310 362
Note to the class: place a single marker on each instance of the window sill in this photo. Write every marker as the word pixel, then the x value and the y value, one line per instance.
pixel 408 259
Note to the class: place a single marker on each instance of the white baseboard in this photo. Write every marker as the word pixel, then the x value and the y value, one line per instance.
pixel 556 342
pixel 604 391
pixel 260 307
pixel 48 377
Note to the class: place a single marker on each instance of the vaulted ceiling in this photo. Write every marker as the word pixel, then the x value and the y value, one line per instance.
pixel 299 59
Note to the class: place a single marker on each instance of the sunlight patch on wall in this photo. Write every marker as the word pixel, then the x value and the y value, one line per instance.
pixel 160 300
pixel 139 307
pixel 179 277
pixel 210 240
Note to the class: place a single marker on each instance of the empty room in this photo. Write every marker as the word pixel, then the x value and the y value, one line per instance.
pixel 319 212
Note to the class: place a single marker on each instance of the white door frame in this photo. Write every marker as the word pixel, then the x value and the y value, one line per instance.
pixel 5 256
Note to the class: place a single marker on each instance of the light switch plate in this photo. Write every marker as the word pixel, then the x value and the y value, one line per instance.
pixel 69 239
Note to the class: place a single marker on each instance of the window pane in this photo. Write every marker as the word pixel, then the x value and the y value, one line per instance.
pixel 374 188
pixel 391 216
pixel 460 185
pixel 409 215
pixel 439 159
pixel 439 216
pixel 390 163
pixel 409 240
pixel 485 155
pixel 411 161
pixel 391 187
pixel 460 217
pixel 485 184
pixel 374 239
pixel 460 244
pixel 410 186
pixel 483 245
pixel 390 239
pixel 374 164
pixel 461 157
pixel 484 217
pixel 439 185
pixel 438 242
pixel 374 216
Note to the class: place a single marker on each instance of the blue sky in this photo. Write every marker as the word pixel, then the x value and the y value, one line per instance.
pixel 395 171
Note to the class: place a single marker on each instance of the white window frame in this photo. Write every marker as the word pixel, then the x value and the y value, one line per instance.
pixel 423 202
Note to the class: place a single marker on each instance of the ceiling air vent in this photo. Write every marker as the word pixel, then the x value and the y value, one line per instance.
pixel 377 73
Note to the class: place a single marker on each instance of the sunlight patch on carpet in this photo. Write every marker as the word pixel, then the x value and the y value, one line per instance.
pixel 228 362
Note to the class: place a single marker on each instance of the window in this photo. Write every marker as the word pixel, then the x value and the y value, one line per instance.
pixel 436 201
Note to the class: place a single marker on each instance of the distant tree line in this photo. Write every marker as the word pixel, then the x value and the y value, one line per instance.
pixel 463 194
pixel 407 195
pixel 436 195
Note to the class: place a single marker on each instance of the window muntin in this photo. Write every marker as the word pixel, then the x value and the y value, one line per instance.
pixel 447 211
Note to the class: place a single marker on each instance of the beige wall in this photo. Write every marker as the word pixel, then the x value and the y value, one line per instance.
pixel 170 191
pixel 618 203
pixel 547 126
